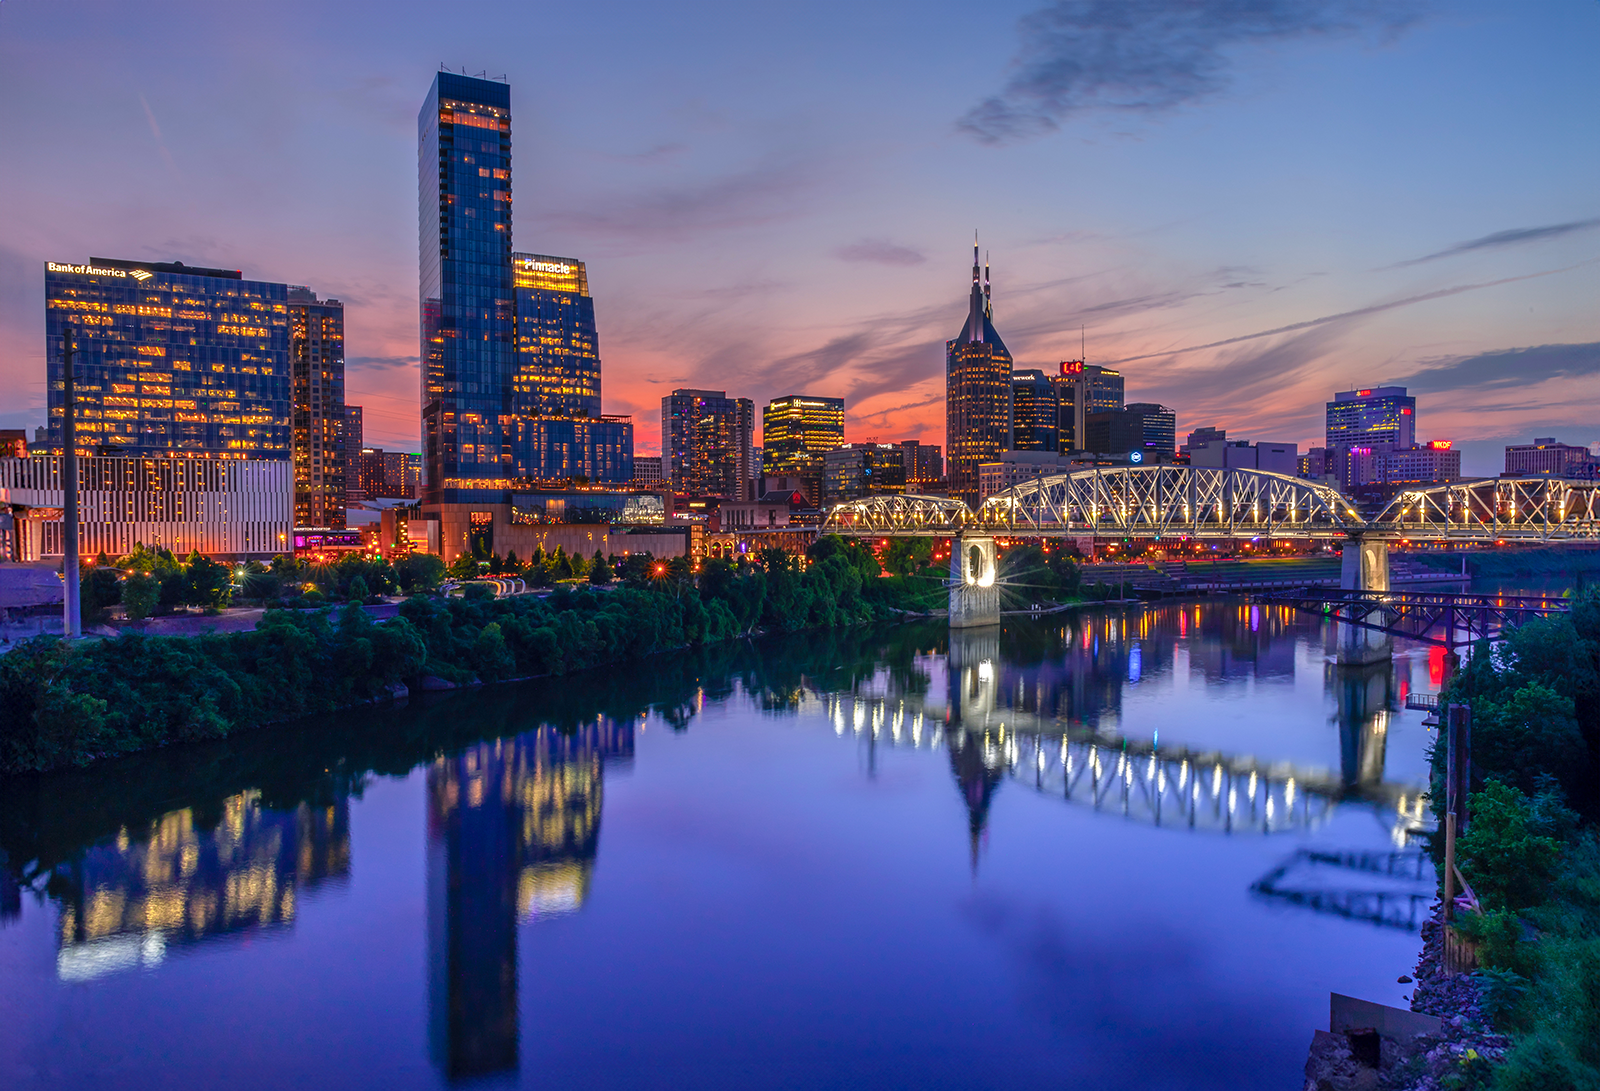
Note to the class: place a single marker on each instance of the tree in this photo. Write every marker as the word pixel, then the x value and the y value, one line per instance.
pixel 464 567
pixel 419 572
pixel 599 569
pixel 907 556
pixel 140 593
pixel 207 584
pixel 358 590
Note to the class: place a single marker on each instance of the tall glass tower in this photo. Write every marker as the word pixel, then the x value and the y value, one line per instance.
pixel 468 309
pixel 977 385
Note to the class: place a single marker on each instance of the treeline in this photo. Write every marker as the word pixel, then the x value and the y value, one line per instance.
pixel 64 704
pixel 1531 852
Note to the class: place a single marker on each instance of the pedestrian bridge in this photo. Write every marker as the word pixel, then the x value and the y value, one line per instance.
pixel 1205 503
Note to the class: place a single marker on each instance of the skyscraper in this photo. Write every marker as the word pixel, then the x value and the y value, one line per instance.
pixel 977 392
pixel 354 444
pixel 1382 414
pixel 316 362
pixel 706 438
pixel 468 309
pixel 1084 389
pixel 171 360
pixel 1035 412
pixel 796 430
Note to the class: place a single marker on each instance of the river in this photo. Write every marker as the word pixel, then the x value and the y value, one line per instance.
pixel 1110 849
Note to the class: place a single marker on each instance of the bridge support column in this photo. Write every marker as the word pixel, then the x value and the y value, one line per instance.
pixel 1365 568
pixel 974 592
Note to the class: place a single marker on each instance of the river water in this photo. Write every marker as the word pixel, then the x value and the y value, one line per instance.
pixel 1115 849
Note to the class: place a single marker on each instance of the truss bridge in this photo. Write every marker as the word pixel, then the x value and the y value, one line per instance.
pixel 1445 619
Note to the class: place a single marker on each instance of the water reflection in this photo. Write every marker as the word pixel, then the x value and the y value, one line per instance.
pixel 513 829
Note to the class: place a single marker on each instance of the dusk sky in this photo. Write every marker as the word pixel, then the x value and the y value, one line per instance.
pixel 1243 204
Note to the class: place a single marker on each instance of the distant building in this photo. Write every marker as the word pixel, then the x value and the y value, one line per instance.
pixel 1020 467
pixel 1426 464
pixel 388 475
pixel 316 363
pixel 1035 412
pixel 1278 458
pixel 647 473
pixel 1084 389
pixel 353 447
pixel 795 432
pixel 863 469
pixel 1543 457
pixel 977 392
pixel 1314 464
pixel 1200 437
pixel 1141 426
pixel 171 360
pixel 706 438
pixel 1382 414
pixel 924 466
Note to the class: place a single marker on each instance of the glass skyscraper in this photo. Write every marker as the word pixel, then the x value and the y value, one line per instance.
pixel 1383 414
pixel 468 310
pixel 558 348
pixel 171 360
pixel 316 361
pixel 706 440
pixel 796 430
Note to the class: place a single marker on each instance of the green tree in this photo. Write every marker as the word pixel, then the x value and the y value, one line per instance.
pixel 464 567
pixel 207 584
pixel 599 569
pixel 140 594
pixel 1511 847
pixel 419 572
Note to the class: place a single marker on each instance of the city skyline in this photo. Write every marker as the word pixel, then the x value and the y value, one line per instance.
pixel 1292 221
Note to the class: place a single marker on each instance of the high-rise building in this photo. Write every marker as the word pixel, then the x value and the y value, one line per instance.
pixel 1035 412
pixel 558 347
pixel 316 362
pixel 1141 426
pixel 863 469
pixel 977 385
pixel 1544 456
pixel 468 309
pixel 706 438
pixel 796 430
pixel 1084 389
pixel 1382 414
pixel 924 466
pixel 354 437
pixel 171 360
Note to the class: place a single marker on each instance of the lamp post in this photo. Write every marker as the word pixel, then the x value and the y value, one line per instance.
pixel 72 616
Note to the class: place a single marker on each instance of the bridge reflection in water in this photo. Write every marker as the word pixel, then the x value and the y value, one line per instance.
pixel 1050 725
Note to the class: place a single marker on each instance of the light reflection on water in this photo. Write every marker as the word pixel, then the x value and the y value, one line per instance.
pixel 438 871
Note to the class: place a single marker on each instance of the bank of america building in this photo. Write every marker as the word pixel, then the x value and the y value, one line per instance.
pixel 172 364
pixel 511 364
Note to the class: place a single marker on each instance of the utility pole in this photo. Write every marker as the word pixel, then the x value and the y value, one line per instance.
pixel 72 616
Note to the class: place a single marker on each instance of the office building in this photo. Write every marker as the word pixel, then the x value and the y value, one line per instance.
pixel 795 431
pixel 706 438
pixel 1424 464
pixel 1384 414
pixel 236 509
pixel 1035 411
pixel 1019 468
pixel 388 475
pixel 558 347
pixel 924 466
pixel 468 309
pixel 1141 426
pixel 863 469
pixel 1278 458
pixel 1546 457
pixel 1200 437
pixel 353 446
pixel 647 473
pixel 977 392
pixel 316 365
pixel 172 361
pixel 1084 389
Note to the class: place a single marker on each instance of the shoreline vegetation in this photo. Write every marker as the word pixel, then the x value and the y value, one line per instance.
pixel 1529 1016
pixel 70 704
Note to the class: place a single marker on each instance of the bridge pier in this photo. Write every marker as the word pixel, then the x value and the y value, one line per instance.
pixel 974 592
pixel 1365 568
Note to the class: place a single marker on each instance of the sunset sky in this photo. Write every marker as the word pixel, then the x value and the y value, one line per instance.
pixel 1244 205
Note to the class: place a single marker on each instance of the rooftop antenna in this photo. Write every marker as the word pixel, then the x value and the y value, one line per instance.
pixel 988 307
pixel 1083 345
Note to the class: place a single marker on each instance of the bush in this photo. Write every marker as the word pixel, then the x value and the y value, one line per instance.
pixel 140 595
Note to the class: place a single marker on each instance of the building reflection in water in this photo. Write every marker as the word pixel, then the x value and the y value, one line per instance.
pixel 513 828
pixel 183 879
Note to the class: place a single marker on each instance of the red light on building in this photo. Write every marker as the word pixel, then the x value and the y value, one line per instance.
pixel 1441 444
pixel 1072 367
pixel 1363 393
pixel 1405 411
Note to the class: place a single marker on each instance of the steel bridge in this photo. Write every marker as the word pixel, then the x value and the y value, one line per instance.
pixel 1205 503
pixel 1446 619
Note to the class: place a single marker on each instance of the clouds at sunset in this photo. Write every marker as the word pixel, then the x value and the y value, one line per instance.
pixel 1251 204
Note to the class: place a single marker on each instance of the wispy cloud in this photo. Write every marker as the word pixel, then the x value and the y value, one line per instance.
pixel 1360 312
pixel 381 362
pixel 881 251
pixel 1152 55
pixel 1513 237
pixel 1516 368
pixel 155 131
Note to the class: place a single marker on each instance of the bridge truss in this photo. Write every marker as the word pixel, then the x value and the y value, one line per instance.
pixel 1523 508
pixel 1208 503
pixel 1432 617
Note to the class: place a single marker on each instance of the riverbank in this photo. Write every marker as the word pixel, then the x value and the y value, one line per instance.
pixel 74 704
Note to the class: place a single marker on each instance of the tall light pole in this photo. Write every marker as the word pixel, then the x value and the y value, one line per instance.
pixel 72 616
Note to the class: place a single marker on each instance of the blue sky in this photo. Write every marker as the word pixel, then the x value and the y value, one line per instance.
pixel 781 199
